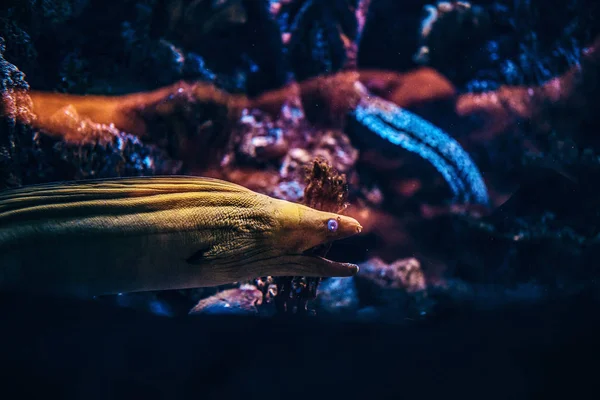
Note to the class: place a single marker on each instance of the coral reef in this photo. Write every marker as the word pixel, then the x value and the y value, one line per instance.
pixel 320 33
pixel 16 115
pixel 391 292
pixel 192 121
pixel 86 149
pixel 205 28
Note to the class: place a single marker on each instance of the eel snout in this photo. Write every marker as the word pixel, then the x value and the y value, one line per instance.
pixel 347 226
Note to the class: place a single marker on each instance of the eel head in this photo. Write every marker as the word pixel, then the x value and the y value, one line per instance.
pixel 284 246
pixel 299 231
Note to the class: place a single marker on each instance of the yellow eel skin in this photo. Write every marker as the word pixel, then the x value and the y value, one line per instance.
pixel 110 236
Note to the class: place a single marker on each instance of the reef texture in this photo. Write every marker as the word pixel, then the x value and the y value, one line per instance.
pixel 463 136
pixel 86 149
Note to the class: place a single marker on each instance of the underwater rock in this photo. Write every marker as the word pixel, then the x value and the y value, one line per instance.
pixel 534 43
pixel 402 274
pixel 42 41
pixel 242 300
pixel 448 33
pixel 547 233
pixel 285 144
pixel 541 113
pixel 102 151
pixel 181 120
pixel 327 100
pixel 420 86
pixel 289 190
pixel 320 34
pixel 128 46
pixel 52 12
pixel 16 107
pixel 188 121
pixel 331 145
pixel 260 139
pixel 502 42
pixel 16 115
pixel 157 60
pixel 86 150
pixel 21 49
pixel 399 288
pixel 234 37
pixel 203 127
pixel 337 296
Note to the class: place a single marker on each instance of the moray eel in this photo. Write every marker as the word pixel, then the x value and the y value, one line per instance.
pixel 110 236
pixel 399 127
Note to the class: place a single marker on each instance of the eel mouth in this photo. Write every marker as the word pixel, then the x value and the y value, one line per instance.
pixel 332 268
pixel 315 260
pixel 307 265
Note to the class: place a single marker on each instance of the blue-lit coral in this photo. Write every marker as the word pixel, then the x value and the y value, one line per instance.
pixel 15 115
pixel 316 29
pixel 504 42
pixel 237 39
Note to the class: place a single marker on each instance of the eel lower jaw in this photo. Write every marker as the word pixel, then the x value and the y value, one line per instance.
pixel 320 266
pixel 307 264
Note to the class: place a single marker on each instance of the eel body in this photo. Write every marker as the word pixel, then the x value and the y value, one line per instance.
pixel 110 236
pixel 399 127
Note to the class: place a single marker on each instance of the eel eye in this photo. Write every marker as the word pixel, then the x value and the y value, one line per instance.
pixel 332 225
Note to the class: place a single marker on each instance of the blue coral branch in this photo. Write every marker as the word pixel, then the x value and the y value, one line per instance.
pixel 411 132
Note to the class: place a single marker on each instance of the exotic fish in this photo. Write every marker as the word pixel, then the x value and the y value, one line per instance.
pixel 107 236
pixel 408 131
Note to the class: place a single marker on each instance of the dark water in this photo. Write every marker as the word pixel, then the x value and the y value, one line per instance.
pixel 74 350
